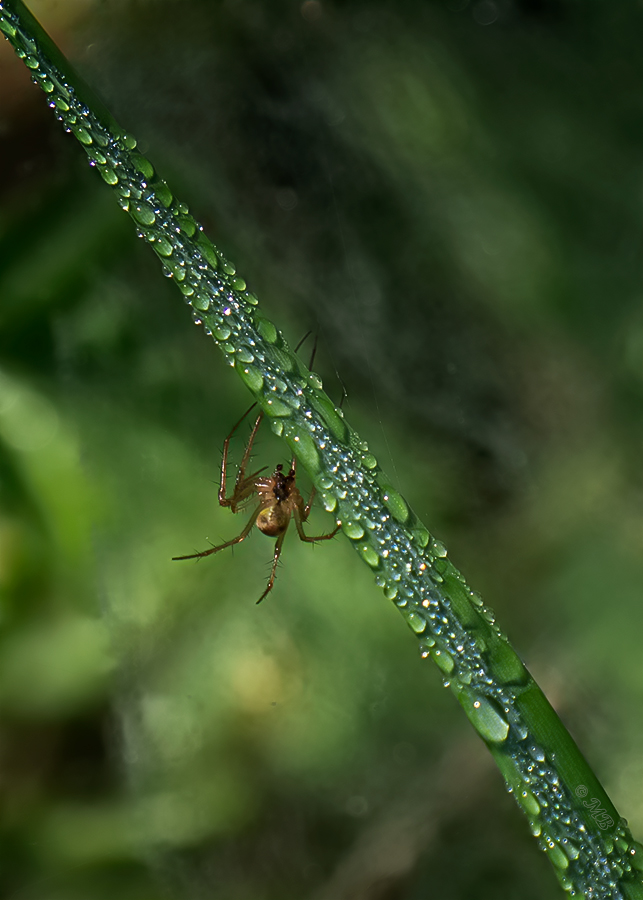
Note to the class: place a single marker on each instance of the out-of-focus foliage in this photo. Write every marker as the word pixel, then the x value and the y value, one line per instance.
pixel 452 192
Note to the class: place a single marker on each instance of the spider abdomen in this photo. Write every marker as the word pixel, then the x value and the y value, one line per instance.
pixel 273 520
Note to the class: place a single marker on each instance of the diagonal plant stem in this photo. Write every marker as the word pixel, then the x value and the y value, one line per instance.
pixel 570 814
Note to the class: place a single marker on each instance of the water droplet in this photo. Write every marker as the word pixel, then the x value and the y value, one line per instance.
pixel 390 592
pixel 370 556
pixel 187 225
pixel 369 460
pixel 227 267
pixel 275 407
pixel 570 849
pixel 420 535
pixel 208 252
pixel 109 175
pixel 266 329
pixel 329 501
pixel 277 426
pixel 417 623
pixel 163 193
pixel 306 450
pixel 556 855
pixel 201 301
pixel 520 731
pixel 395 503
pixel 486 718
pixel 528 802
pixel 83 135
pixel 222 332
pixel 438 549
pixel 635 855
pixel 144 214
pixel 7 27
pixel 315 381
pixel 353 530
pixel 252 376
pixel 444 661
pixel 245 355
pixel 142 165
pixel 621 844
pixel 535 827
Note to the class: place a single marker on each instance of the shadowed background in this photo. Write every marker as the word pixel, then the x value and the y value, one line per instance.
pixel 451 193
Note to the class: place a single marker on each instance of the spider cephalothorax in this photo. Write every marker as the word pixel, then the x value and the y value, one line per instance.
pixel 279 501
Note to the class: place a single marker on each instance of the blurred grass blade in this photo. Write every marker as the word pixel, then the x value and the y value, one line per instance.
pixel 575 822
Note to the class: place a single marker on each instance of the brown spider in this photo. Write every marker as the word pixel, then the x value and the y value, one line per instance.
pixel 279 501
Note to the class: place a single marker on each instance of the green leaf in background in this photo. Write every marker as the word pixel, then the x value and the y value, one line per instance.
pixel 430 217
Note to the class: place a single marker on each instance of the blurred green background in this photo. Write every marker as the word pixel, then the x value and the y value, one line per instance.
pixel 452 192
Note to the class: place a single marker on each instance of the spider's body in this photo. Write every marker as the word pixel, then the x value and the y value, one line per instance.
pixel 278 498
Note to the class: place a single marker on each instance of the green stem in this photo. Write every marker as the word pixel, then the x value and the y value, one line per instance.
pixel 575 822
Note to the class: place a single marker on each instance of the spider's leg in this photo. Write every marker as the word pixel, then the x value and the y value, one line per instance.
pixel 223 500
pixel 271 580
pixel 241 474
pixel 241 537
pixel 309 505
pixel 307 335
pixel 299 520
pixel 244 489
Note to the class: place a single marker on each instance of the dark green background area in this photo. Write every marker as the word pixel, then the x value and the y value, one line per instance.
pixel 451 193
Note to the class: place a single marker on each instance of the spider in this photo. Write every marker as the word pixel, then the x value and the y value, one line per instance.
pixel 278 498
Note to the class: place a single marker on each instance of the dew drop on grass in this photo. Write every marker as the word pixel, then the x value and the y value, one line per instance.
pixel 438 549
pixel 417 623
pixel 444 661
pixel 556 855
pixel 486 718
pixel 221 332
pixel 353 530
pixel 110 177
pixel 370 556
pixel 201 301
pixel 330 503
pixel 275 407
pixel 143 213
pixel 528 802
